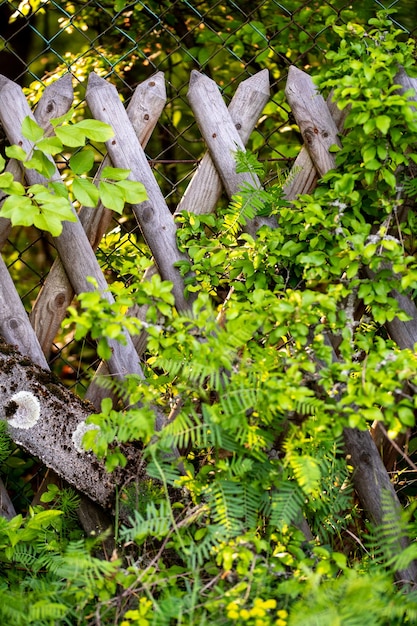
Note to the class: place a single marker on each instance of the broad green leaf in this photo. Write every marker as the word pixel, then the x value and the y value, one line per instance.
pixel 82 161
pixel 50 145
pixel 133 192
pixel 59 189
pixel 41 164
pixel 57 121
pixel 10 185
pixel 19 209
pixel 96 130
pixel 85 192
pixel 114 173
pixel 71 135
pixel 368 152
pixel 383 123
pixel 31 129
pixel 16 152
pixel 2 163
pixel 111 196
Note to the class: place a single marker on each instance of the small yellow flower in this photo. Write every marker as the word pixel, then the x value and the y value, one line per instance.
pixel 282 613
pixel 244 614
pixel 257 611
pixel 270 604
pixel 280 622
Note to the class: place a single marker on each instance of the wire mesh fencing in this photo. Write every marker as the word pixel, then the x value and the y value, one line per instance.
pixel 126 43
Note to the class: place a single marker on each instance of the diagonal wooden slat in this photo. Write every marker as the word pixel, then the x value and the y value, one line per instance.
pixel 56 100
pixel 57 293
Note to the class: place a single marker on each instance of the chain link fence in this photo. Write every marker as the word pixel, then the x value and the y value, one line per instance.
pixel 124 42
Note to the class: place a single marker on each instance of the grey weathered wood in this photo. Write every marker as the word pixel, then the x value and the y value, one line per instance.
pixel 222 138
pixel 7 509
pixel 72 245
pixel 371 480
pixel 57 293
pixel 15 326
pixel 205 188
pixel 153 215
pixel 56 100
pixel 50 439
pixel 204 191
pixel 316 125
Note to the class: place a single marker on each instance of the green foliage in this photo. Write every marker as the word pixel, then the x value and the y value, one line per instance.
pixel 248 514
pixel 47 205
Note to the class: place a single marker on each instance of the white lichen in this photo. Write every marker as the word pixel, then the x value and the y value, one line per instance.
pixel 79 432
pixel 28 410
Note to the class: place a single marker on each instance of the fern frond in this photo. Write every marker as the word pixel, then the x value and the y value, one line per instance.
pixel 234 506
pixel 156 522
pixel 284 505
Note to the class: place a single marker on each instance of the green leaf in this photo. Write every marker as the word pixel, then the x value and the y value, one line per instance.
pixel 133 192
pixel 2 163
pixel 18 209
pixel 114 173
pixel 10 185
pixel 383 123
pixel 31 129
pixel 111 197
pixel 85 192
pixel 50 145
pixel 82 161
pixel 71 135
pixel 16 152
pixel 96 130
pixel 40 162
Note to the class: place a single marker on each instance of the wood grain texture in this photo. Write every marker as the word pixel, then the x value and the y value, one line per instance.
pixel 205 188
pixel 153 215
pixel 72 245
pixel 316 125
pixel 222 139
pixel 50 439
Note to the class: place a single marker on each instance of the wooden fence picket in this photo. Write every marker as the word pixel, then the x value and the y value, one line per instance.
pixel 57 293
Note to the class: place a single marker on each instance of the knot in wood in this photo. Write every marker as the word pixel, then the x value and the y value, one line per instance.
pixel 365 458
pixel 60 300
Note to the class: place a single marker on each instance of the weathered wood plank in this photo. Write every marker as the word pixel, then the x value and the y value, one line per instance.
pixel 153 215
pixel 222 138
pixel 72 245
pixel 57 293
pixel 205 188
pixel 56 100
pixel 316 125
pixel 15 326
pixel 51 439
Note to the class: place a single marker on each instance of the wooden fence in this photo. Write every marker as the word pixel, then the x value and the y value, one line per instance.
pixel 224 130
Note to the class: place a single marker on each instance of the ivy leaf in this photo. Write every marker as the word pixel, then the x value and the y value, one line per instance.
pixel 16 152
pixel 18 209
pixel 383 122
pixel 10 185
pixel 40 162
pixel 85 192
